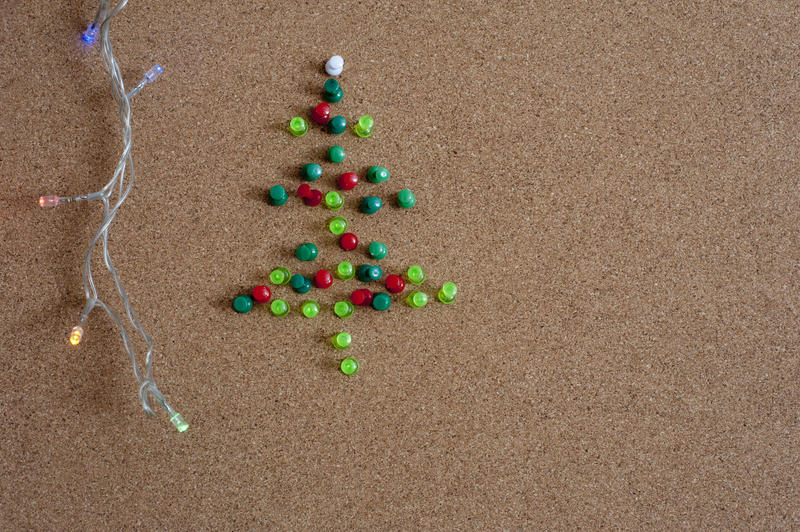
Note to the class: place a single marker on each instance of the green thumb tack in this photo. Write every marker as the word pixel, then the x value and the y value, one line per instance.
pixel 298 127
pixel 280 275
pixel 371 204
pixel 337 225
pixel 374 273
pixel 377 250
pixel 381 301
pixel 334 200
pixel 406 199
pixel 243 304
pixel 332 91
pixel 345 270
pixel 343 309
pixel 417 299
pixel 309 308
pixel 363 273
pixel 311 172
pixel 306 252
pixel 341 340
pixel 336 154
pixel 279 308
pixel 300 283
pixel 337 125
pixel 349 366
pixel 277 195
pixel 363 127
pixel 377 174
pixel 415 274
pixel 447 293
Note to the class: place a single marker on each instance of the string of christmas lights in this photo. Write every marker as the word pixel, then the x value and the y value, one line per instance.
pixel 113 195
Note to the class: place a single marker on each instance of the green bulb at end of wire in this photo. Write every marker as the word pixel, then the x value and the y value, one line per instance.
pixel 179 423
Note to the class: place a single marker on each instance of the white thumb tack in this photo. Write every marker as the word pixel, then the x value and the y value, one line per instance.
pixel 334 65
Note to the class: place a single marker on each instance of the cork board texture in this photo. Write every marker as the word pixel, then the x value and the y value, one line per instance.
pixel 613 186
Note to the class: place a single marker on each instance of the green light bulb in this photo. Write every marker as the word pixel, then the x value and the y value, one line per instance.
pixel 181 424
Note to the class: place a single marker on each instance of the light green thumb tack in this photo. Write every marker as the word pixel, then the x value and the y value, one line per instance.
pixel 334 200
pixel 280 275
pixel 415 274
pixel 341 340
pixel 417 299
pixel 349 366
pixel 279 308
pixel 309 308
pixel 338 225
pixel 345 270
pixel 298 127
pixel 447 293
pixel 363 127
pixel 343 309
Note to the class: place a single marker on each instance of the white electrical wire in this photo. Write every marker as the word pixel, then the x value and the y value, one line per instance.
pixel 113 195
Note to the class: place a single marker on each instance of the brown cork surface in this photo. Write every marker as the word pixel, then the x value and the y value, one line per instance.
pixel 614 188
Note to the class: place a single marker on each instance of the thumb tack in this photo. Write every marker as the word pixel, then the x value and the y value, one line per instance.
pixel 349 366
pixel 377 174
pixel 332 92
pixel 277 195
pixel 417 299
pixel 341 340
pixel 334 65
pixel 406 199
pixel 298 127
pixel 279 308
pixel 415 274
pixel 447 293
pixel 363 127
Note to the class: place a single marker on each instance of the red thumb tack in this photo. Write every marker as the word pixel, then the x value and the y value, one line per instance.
pixel 323 279
pixel 321 114
pixel 348 241
pixel 261 294
pixel 395 284
pixel 314 198
pixel 304 190
pixel 361 297
pixel 348 181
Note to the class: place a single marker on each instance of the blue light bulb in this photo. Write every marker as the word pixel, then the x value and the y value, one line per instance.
pixel 90 34
pixel 153 73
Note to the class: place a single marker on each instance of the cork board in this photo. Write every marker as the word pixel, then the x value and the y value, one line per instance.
pixel 613 188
